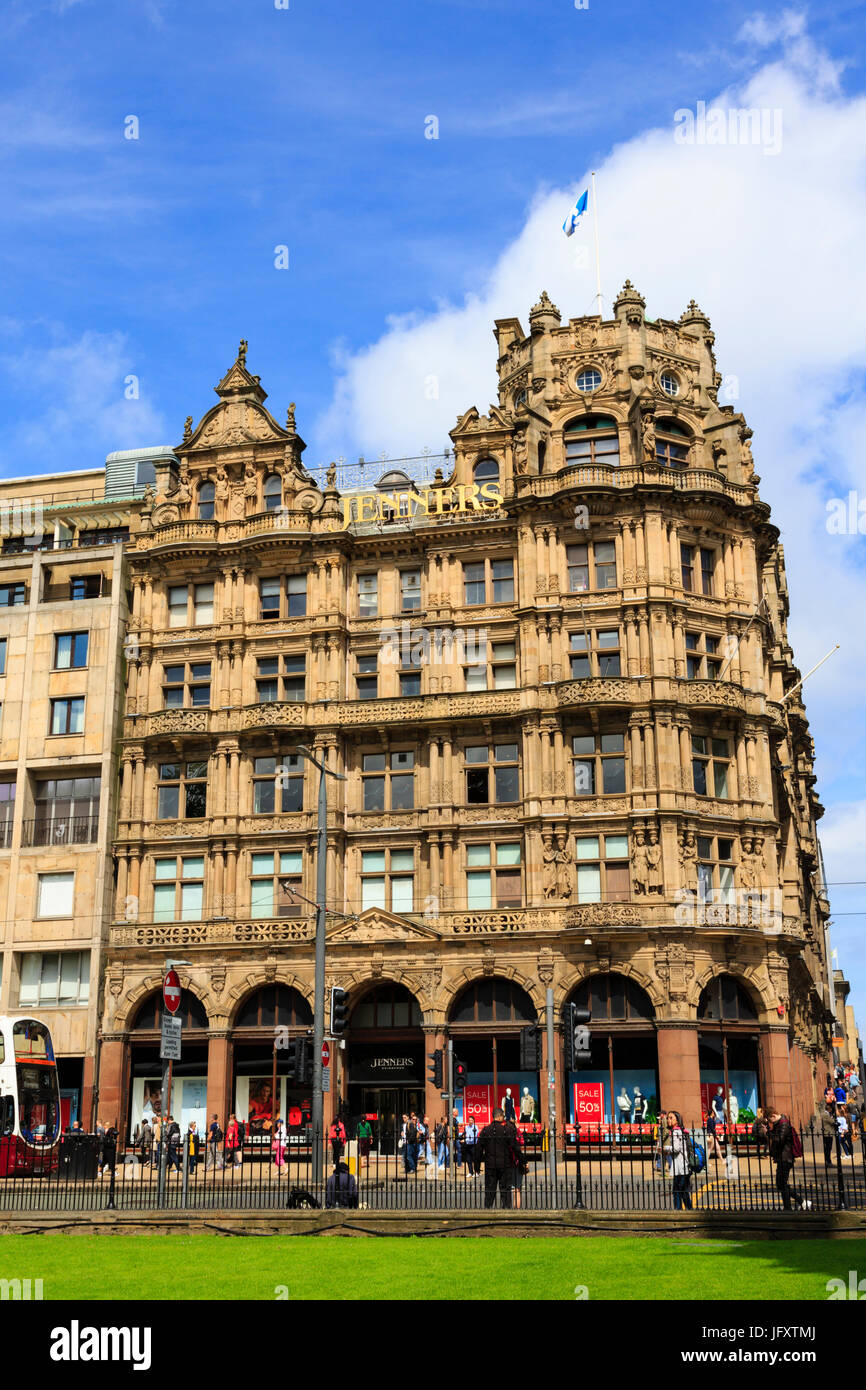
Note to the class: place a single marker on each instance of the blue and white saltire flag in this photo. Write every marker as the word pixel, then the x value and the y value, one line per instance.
pixel 573 218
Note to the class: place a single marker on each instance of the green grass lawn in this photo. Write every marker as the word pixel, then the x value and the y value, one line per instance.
pixel 312 1267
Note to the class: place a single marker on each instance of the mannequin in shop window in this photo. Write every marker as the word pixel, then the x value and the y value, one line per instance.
pixel 638 1110
pixel 623 1105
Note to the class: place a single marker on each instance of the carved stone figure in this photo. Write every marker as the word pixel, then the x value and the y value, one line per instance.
pixel 653 856
pixel 549 872
pixel 648 439
pixel 689 858
pixel 331 476
pixel 639 864
pixel 564 869
pixel 221 487
pixel 251 488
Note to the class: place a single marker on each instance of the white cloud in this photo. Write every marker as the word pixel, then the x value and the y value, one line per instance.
pixel 79 386
pixel 771 248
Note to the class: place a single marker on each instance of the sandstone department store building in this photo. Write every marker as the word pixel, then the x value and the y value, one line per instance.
pixel 555 675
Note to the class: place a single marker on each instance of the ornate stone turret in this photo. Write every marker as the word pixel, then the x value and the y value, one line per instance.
pixel 693 316
pixel 630 304
pixel 544 316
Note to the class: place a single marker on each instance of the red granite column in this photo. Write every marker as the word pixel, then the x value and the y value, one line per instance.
pixel 110 1081
pixel 679 1071
pixel 219 1063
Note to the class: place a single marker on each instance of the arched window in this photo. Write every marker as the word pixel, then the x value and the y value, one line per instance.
pixel 672 443
pixel 592 439
pixel 192 1012
pixel 273 492
pixel 724 1000
pixel 390 1006
pixel 614 999
pixel 486 471
pixel 494 1000
pixel 206 502
pixel 274 1006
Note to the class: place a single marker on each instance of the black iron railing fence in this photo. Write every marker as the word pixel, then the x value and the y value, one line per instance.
pixel 612 1171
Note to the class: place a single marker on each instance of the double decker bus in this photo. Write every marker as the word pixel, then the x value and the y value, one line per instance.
pixel 29 1097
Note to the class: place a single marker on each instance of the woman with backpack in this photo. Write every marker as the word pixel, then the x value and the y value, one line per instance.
pixel 677 1146
pixel 234 1145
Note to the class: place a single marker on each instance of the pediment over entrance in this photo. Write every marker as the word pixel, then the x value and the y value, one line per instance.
pixel 378 925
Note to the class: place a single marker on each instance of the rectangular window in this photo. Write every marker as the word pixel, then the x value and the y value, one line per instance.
pixel 708 570
pixel 602 658
pixel 367 678
pixel 715 869
pixel 12 595
pixel 494 666
pixel 269 598
pixel 2 656
pixel 368 595
pixel 296 595
pixel 410 590
pixel 54 978
pixel 596 559
pixel 493 877
pixel 182 791
pixel 85 586
pixel 388 879
pixel 70 650
pixel 186 685
pixel 7 811
pixel 178 603
pixel 178 890
pixel 502 761
pixel 67 716
pixel 55 895
pixel 711 760
pixel 388 781
pixel 276 881
pixel 602 868
pixel 203 604
pixel 599 764
pixel 488 581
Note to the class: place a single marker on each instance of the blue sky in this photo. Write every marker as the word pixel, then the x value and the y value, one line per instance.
pixel 304 127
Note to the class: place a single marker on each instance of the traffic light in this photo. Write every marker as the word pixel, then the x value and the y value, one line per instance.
pixel 460 1076
pixel 435 1067
pixel 576 1050
pixel 304 1073
pixel 530 1048
pixel 339 1011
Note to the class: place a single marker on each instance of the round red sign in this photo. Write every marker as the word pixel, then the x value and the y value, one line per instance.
pixel 326 1054
pixel 171 991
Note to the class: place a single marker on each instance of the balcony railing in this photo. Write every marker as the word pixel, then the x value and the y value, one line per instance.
pixel 61 830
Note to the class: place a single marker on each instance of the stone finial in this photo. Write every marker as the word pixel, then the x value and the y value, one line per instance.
pixel 290 418
pixel 544 310
pixel 187 428
pixel 694 314
pixel 242 352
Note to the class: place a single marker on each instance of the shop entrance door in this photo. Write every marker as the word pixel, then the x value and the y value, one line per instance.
pixel 388 1104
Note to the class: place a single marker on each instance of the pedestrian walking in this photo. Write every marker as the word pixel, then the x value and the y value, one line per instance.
pixel 234 1143
pixel 193 1146
pixel 843 1131
pixel 761 1134
pixel 157 1139
pixel 173 1139
pixel 213 1158
pixel 712 1127
pixel 337 1137
pixel 828 1134
pixel 470 1148
pixel 499 1151
pixel 99 1132
pixel 425 1140
pixel 411 1139
pixel 521 1167
pixel 782 1154
pixel 440 1137
pixel 663 1157
pixel 679 1152
pixel 278 1144
pixel 145 1142
pixel 455 1138
pixel 364 1136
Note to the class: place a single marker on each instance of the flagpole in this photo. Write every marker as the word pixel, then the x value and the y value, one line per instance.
pixel 595 229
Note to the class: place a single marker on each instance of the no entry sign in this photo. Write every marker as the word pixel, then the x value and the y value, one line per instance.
pixel 326 1054
pixel 171 991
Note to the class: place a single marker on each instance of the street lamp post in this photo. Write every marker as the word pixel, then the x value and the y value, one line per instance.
pixel 318 1108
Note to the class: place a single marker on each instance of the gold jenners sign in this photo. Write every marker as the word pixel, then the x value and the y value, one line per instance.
pixel 428 501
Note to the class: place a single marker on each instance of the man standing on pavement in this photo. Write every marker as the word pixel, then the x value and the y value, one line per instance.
pixel 501 1153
